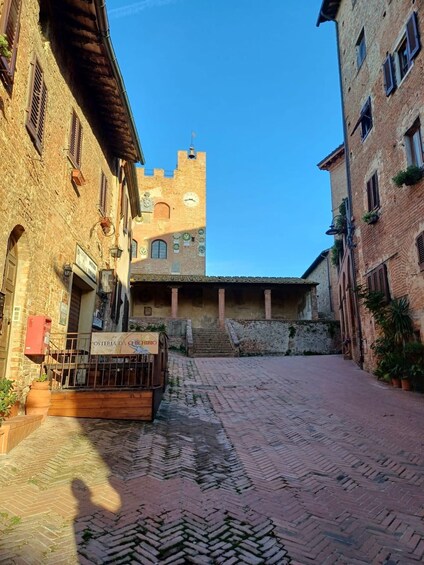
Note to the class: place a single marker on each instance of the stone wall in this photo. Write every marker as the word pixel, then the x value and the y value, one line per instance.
pixel 175 328
pixel 48 214
pixel 277 337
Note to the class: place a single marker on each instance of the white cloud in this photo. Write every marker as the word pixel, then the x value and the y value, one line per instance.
pixel 131 9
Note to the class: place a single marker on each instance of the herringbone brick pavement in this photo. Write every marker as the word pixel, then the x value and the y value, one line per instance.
pixel 250 461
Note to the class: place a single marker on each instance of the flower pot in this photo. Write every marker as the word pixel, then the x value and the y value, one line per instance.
pixel 406 384
pixel 39 399
pixel 396 382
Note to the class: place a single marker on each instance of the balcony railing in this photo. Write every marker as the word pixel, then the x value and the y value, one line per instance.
pixel 70 365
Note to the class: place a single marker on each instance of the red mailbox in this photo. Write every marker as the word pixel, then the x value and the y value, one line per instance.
pixel 38 335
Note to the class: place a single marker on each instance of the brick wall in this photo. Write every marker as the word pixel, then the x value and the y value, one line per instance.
pixel 392 239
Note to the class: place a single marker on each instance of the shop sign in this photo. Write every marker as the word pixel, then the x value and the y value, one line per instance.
pixel 129 343
pixel 86 264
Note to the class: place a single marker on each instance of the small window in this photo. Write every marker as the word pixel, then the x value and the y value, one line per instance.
pixel 103 195
pixel 377 281
pixel 414 145
pixel 134 248
pixel 75 141
pixel 373 196
pixel 159 249
pixel 361 49
pixel 9 27
pixel 37 107
pixel 408 48
pixel 420 250
pixel 366 119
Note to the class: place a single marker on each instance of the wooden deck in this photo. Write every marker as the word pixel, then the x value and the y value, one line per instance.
pixel 111 404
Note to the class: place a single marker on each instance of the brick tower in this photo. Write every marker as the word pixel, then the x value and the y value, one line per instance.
pixel 170 236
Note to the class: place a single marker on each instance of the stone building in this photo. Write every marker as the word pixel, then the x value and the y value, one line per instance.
pixel 381 66
pixel 68 186
pixel 323 271
pixel 169 236
pixel 343 276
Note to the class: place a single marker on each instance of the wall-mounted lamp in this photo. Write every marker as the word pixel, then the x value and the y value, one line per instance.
pixel 116 252
pixel 333 230
pixel 67 270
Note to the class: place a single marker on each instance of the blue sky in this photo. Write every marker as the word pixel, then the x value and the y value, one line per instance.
pixel 257 81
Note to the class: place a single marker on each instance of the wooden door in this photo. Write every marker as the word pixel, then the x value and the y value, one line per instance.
pixel 7 298
pixel 74 310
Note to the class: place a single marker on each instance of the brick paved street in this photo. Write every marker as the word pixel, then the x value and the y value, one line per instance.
pixel 254 460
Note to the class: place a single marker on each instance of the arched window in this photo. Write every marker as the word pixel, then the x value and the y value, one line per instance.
pixel 162 211
pixel 159 249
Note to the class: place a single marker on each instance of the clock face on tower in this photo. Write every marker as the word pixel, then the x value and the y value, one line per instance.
pixel 191 199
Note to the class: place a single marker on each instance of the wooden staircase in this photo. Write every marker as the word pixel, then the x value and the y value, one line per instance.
pixel 211 342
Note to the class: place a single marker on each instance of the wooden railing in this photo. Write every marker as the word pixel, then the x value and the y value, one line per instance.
pixel 69 364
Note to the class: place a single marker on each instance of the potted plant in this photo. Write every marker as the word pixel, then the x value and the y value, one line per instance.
pixel 4 47
pixel 370 217
pixel 39 397
pixel 411 175
pixel 7 398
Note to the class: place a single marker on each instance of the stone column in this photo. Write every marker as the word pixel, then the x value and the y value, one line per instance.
pixel 221 306
pixel 174 302
pixel 267 293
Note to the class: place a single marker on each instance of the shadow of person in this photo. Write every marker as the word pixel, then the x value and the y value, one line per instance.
pixel 90 524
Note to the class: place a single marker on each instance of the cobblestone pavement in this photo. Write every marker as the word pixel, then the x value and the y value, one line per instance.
pixel 285 460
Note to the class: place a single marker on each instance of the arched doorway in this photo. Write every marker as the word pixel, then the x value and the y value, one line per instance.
pixel 7 295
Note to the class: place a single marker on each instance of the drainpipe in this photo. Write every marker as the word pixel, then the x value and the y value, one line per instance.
pixel 349 195
pixel 349 183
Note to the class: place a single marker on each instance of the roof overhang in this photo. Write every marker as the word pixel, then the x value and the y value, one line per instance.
pixel 137 280
pixel 332 158
pixel 83 31
pixel 328 11
pixel 323 255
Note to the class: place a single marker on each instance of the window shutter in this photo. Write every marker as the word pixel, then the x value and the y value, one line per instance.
pixel 11 31
pixel 389 76
pixel 369 195
pixel 75 140
pixel 103 194
pixel 373 193
pixel 412 37
pixel 125 212
pixel 420 249
pixel 37 108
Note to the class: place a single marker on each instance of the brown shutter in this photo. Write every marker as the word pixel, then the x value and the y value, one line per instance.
pixel 37 107
pixel 75 141
pixel 10 28
pixel 373 196
pixel 103 194
pixel 420 249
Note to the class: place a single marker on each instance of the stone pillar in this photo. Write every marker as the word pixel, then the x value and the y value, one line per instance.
pixel 267 293
pixel 221 307
pixel 174 302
